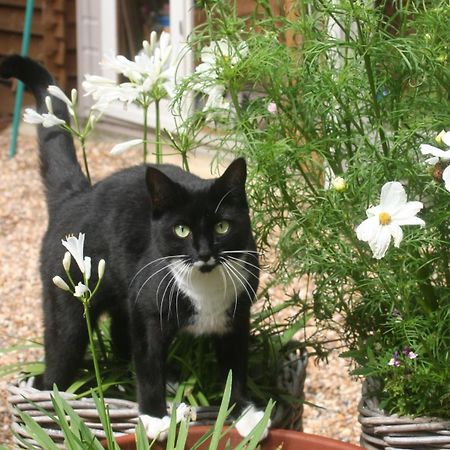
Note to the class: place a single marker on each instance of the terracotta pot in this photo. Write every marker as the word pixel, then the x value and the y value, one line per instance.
pixel 291 440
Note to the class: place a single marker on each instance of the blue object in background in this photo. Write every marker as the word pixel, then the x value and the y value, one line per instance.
pixel 19 93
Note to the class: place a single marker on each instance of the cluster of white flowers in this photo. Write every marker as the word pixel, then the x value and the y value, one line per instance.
pixel 75 249
pixel 49 119
pixel 151 76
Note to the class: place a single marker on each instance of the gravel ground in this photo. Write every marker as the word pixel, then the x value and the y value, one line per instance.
pixel 22 225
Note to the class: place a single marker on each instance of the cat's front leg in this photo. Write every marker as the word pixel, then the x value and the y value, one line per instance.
pixel 149 350
pixel 232 354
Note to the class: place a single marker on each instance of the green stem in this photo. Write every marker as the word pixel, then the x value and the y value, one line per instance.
pixel 158 134
pixel 86 166
pixel 108 430
pixel 372 87
pixel 145 107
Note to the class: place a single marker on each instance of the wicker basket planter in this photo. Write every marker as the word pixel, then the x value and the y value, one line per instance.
pixel 391 432
pixel 124 414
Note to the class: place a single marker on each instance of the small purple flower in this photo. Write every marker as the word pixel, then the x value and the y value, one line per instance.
pixel 395 361
pixel 409 353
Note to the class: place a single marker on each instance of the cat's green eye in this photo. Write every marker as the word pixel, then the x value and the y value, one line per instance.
pixel 222 227
pixel 182 231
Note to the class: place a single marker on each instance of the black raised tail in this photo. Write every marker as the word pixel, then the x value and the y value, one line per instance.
pixel 60 169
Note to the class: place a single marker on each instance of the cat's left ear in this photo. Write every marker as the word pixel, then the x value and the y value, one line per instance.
pixel 234 176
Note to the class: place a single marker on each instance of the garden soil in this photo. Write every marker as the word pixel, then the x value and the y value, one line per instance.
pixel 22 225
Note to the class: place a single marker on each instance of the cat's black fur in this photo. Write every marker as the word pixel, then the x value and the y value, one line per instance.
pixel 129 220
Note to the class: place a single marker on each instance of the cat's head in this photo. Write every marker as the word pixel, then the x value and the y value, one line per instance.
pixel 200 219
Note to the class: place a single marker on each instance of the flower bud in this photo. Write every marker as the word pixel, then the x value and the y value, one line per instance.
pixel 59 282
pixel 438 137
pixel 48 103
pixel 339 184
pixel 87 267
pixel 66 261
pixel 74 96
pixel 101 268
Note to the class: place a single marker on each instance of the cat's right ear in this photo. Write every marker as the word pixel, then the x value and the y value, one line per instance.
pixel 164 193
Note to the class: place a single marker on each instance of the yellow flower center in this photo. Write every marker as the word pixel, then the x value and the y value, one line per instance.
pixel 384 218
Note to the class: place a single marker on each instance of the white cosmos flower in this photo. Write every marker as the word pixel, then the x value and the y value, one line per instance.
pixel 120 148
pixel 75 246
pixel 47 120
pixel 80 290
pixel 209 72
pixel 439 155
pixel 385 220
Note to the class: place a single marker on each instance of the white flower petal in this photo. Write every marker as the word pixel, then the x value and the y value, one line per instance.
pixel 392 196
pixel 80 290
pixel 410 221
pixel 408 210
pixel 446 138
pixel 31 116
pixel 75 246
pixel 58 93
pixel 119 148
pixel 427 149
pixel 367 230
pixel 446 177
pixel 396 233
pixel 50 120
pixel 380 243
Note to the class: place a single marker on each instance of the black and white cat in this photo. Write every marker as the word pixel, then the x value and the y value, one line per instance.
pixel 180 255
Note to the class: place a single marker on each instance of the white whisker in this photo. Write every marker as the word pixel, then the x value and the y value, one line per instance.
pixel 223 266
pixel 239 277
pixel 153 262
pixel 150 277
pixel 241 262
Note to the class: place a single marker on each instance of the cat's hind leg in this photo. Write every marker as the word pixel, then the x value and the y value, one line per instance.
pixel 65 341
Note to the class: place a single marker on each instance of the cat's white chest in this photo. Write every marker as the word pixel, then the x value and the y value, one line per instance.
pixel 213 294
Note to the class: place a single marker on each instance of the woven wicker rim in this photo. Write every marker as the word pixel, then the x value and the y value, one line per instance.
pixel 392 432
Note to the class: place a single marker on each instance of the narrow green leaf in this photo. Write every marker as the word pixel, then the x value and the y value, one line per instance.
pixel 182 434
pixel 222 415
pixel 141 437
pixel 37 433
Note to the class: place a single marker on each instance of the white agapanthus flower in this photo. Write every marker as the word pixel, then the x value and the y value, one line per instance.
pixel 384 221
pixel 81 290
pixel 439 155
pixel 123 146
pixel 75 247
pixel 151 75
pixel 47 120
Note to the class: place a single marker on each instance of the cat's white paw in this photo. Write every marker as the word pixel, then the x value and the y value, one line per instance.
pixel 185 412
pixel 249 420
pixel 155 427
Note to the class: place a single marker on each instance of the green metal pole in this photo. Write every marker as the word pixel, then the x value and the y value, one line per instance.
pixel 20 87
